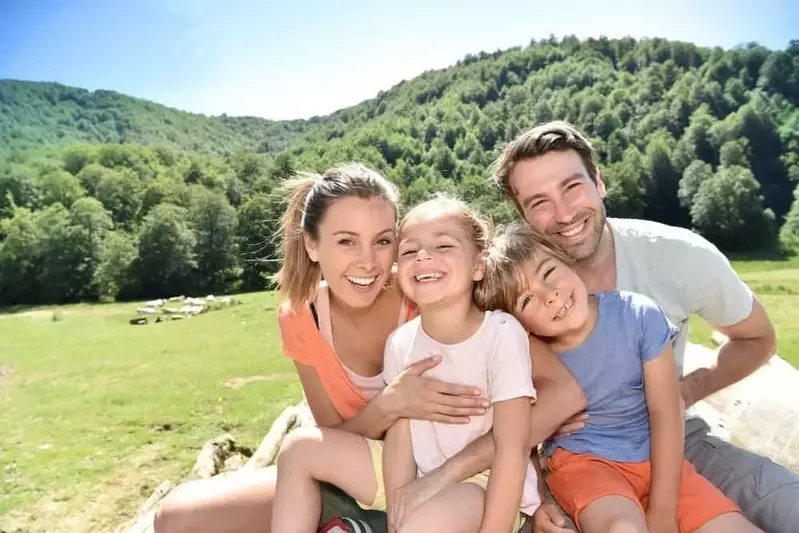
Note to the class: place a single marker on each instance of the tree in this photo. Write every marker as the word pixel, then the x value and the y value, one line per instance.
pixel 20 259
pixel 662 181
pixel 693 177
pixel 214 223
pixel 789 233
pixel 166 252
pixel 121 193
pixel 114 273
pixel 59 186
pixel 18 188
pixel 257 239
pixel 728 209
pixel 624 182
pixel 733 153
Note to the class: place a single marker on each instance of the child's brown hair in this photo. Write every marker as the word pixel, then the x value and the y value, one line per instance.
pixel 508 254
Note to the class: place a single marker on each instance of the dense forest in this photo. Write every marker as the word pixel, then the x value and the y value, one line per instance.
pixel 104 196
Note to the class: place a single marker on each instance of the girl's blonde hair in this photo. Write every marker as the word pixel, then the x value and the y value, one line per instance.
pixel 507 257
pixel 309 196
pixel 478 228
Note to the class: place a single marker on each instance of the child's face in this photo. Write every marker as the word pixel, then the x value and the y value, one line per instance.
pixel 554 300
pixel 437 261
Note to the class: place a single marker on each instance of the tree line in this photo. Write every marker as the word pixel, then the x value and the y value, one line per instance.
pixel 702 138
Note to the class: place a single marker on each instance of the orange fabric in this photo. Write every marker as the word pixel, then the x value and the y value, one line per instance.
pixel 303 342
pixel 576 480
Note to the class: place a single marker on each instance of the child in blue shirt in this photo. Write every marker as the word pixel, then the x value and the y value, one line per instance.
pixel 625 469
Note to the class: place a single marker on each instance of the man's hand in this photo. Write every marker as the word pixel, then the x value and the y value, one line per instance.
pixel 572 424
pixel 691 385
pixel 548 519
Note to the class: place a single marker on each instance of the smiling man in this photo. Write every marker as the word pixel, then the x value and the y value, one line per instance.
pixel 551 175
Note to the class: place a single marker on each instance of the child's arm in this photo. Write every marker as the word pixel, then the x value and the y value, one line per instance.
pixel 662 390
pixel 509 468
pixel 399 466
pixel 559 397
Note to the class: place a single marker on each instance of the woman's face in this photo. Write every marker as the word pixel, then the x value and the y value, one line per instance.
pixel 355 248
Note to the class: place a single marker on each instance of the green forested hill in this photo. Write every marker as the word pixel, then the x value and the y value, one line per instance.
pixel 704 138
pixel 33 114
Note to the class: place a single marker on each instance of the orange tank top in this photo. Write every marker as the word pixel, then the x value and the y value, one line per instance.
pixel 304 342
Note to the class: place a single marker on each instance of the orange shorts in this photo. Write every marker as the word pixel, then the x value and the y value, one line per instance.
pixel 576 480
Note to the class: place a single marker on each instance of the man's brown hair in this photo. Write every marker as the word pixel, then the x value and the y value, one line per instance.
pixel 544 138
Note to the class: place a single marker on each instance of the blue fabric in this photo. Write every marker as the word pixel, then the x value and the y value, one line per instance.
pixel 630 330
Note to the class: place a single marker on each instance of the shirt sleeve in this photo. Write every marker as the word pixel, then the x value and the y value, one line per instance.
pixel 715 290
pixel 656 329
pixel 293 339
pixel 511 370
pixel 391 362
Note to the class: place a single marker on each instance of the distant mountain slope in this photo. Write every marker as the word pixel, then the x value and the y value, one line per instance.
pixel 33 113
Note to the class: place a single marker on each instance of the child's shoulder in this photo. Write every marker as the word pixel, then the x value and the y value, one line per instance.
pixel 627 300
pixel 504 324
pixel 405 332
pixel 629 306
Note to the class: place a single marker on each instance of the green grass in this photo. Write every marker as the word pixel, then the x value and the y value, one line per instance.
pixel 96 413
pixel 776 283
pixel 84 399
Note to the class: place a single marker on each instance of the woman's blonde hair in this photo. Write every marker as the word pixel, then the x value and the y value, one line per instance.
pixel 508 254
pixel 309 196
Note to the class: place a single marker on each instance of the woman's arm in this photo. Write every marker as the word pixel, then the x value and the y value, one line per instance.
pixel 372 422
pixel 408 396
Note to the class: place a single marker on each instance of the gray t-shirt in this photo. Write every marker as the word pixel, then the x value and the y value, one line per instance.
pixel 682 272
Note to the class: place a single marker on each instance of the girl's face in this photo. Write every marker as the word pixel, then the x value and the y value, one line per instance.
pixel 355 248
pixel 438 262
pixel 554 300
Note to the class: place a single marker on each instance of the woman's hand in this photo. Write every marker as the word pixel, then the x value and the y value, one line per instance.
pixel 411 395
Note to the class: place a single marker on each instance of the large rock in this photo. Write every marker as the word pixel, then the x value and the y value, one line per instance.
pixel 759 413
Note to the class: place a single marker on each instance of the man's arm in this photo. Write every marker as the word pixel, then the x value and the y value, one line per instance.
pixel 509 467
pixel 665 419
pixel 713 290
pixel 752 342
pixel 559 396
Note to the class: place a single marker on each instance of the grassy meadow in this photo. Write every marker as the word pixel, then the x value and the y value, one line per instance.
pixel 96 412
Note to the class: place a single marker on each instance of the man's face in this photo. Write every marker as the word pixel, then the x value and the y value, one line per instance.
pixel 559 199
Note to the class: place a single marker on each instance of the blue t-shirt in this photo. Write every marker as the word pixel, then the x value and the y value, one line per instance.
pixel 630 330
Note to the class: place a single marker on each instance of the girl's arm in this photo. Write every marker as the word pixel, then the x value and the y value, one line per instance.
pixel 399 466
pixel 509 467
pixel 559 396
pixel 662 390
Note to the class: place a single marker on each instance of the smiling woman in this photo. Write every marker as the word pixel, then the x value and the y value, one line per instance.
pixel 340 303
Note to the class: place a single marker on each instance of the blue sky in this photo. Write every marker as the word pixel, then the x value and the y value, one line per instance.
pixel 298 58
